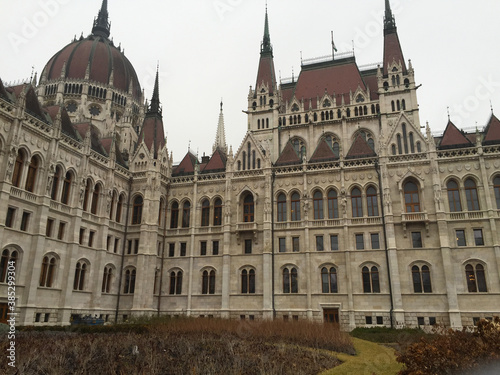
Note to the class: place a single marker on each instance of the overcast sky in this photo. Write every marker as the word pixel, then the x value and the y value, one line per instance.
pixel 209 49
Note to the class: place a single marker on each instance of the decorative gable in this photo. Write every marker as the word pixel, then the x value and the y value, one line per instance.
pixel 288 156
pixel 250 155
pixel 360 149
pixel 454 138
pixel 492 132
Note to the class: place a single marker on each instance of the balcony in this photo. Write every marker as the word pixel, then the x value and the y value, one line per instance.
pixel 415 218
pixel 470 215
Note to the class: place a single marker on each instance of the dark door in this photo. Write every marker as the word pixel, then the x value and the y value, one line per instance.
pixel 331 316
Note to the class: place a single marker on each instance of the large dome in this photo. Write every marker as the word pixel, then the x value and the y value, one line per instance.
pixel 103 59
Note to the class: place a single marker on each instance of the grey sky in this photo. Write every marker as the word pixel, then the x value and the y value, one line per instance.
pixel 208 49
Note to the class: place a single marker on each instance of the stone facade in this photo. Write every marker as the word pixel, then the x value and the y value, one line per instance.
pixel 335 205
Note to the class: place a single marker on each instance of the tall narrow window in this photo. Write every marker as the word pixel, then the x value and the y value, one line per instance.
pixel 18 169
pixel 248 281
pixel 32 173
pixel 119 207
pixel 8 260
pixel 129 286
pixel 186 212
pixel 295 207
pixel 95 199
pixel 80 271
pixel 412 200
pixel 357 205
pixel 333 205
pixel 174 215
pixel 66 189
pixel 208 282
pixel 496 188
pixel 421 279
pixel 476 278
pixel 176 282
pixel 106 280
pixel 55 183
pixel 371 282
pixel 47 272
pixel 88 187
pixel 329 280
pixel 318 205
pixel 471 195
pixel 282 208
pixel 218 212
pixel 454 196
pixel 248 209
pixel 205 213
pixel 372 202
pixel 137 210
pixel 294 280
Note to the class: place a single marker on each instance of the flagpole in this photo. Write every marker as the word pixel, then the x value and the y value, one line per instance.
pixel 333 48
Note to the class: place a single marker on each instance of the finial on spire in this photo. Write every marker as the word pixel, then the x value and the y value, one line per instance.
pixel 154 107
pixel 389 21
pixel 448 109
pixel 491 106
pixel 220 137
pixel 102 26
pixel 266 46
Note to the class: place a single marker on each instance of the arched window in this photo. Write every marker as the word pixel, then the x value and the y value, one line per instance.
pixel 80 271
pixel 106 279
pixel 86 196
pixel 371 283
pixel 329 280
pixel 47 272
pixel 55 183
pixel 357 203
pixel 119 207
pixel 295 207
pixel 248 208
pixel 205 213
pixel 393 106
pixel 175 282
pixel 421 279
pixel 405 138
pixel 9 260
pixel 454 196
pixel 208 282
pixel 400 144
pixel 371 201
pixel 218 212
pixel 18 169
pixel 290 281
pixel 393 148
pixel 476 278
pixel 174 215
pixel 318 205
pixel 66 189
pixel 248 281
pixel 160 211
pixel 129 285
pixel 137 210
pixel 32 173
pixel 333 205
pixel 496 188
pixel 471 195
pixel 282 214
pixel 412 200
pixel 95 199
pixel 186 213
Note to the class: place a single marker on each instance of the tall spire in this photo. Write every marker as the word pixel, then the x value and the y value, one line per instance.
pixel 102 26
pixel 266 46
pixel 389 21
pixel 154 107
pixel 220 138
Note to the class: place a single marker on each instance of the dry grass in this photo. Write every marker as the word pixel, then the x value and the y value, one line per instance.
pixel 185 346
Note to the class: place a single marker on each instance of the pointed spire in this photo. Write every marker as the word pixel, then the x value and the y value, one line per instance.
pixel 266 46
pixel 154 107
pixel 220 138
pixel 102 26
pixel 389 21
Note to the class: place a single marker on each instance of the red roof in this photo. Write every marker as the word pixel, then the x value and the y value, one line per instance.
pixel 217 163
pixel 3 92
pixel 103 57
pixel 323 153
pixel 453 137
pixel 288 156
pixel 492 131
pixel 371 82
pixel 339 77
pixel 360 149
pixel 393 51
pixel 186 166
pixel 153 133
pixel 266 72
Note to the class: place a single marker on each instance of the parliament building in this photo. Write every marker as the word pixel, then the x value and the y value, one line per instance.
pixel 339 205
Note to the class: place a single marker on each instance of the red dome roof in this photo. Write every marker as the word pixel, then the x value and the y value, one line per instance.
pixel 103 58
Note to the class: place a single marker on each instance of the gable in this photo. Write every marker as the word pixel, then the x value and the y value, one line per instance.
pixel 288 156
pixel 360 149
pixel 454 138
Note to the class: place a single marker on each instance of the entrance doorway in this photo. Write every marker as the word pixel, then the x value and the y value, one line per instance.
pixel 331 316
